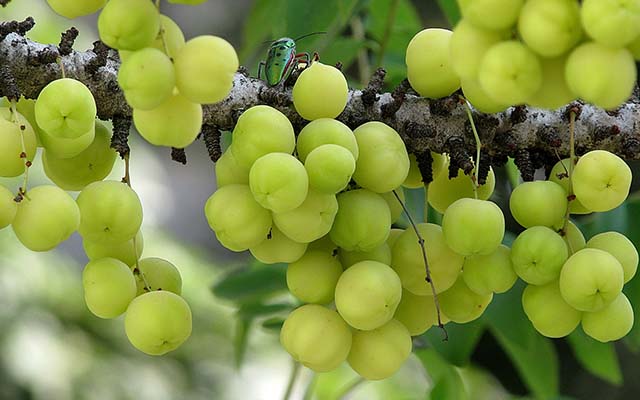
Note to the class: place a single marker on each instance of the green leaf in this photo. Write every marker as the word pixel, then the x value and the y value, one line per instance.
pixel 253 283
pixel 532 354
pixel 264 21
pixel 462 341
pixel 342 49
pixel 447 383
pixel 240 340
pixel 273 324
pixel 598 358
pixel 450 10
pixel 256 310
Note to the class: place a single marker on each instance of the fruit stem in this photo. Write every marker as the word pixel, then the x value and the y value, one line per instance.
pixel 308 392
pixel 162 35
pixel 22 190
pixel 478 146
pixel 127 179
pixel 426 265
pixel 391 18
pixel 349 388
pixel 62 71
pixel 295 371
pixel 572 156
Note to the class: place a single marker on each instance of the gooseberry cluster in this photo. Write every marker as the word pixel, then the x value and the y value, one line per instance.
pixel 545 53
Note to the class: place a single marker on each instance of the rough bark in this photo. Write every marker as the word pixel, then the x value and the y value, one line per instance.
pixel 531 135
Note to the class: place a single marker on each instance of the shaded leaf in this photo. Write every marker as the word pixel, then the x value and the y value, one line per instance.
pixel 255 310
pixel 253 283
pixel 273 324
pixel 450 10
pixel 447 383
pixel 463 339
pixel 261 25
pixel 598 358
pixel 240 340
pixel 532 354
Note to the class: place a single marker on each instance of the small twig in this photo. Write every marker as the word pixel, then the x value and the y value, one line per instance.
pixel 572 155
pixel 211 136
pixel 120 137
pixel 22 190
pixel 179 155
pixel 295 371
pixel 370 93
pixel 66 41
pixel 398 95
pixel 426 264
pixel 476 171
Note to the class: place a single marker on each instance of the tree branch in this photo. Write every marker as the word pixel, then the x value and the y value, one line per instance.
pixel 534 135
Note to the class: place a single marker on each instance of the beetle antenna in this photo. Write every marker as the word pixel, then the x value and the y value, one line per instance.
pixel 309 34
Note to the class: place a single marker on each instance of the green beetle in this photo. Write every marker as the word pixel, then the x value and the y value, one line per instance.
pixel 282 60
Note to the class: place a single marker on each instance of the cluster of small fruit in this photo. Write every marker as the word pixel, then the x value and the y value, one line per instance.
pixel 574 281
pixel 164 79
pixel 544 53
pixel 108 216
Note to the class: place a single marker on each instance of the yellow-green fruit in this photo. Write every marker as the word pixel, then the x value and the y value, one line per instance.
pixel 548 312
pixel 380 254
pixel 614 23
pixel 538 255
pixel 325 131
pixel 612 322
pixel 330 168
pixel 510 73
pixel 367 294
pixel 554 91
pixel 123 251
pixel 110 211
pixel 538 203
pixel 157 274
pixel 619 246
pixel 589 69
pixel 45 218
pixel 383 163
pixel 491 14
pixel 26 107
pixel 461 304
pixel 560 175
pixel 429 65
pixel 158 322
pixel 147 78
pixel 550 27
pixel 174 123
pixel 362 222
pixel 205 67
pixel 67 148
pixel 8 207
pixel 109 286
pixel 11 143
pixel 172 35
pixel 494 272
pixel 442 192
pixel 394 234
pixel 129 24
pixel 261 130
pixel 591 279
pixel 479 99
pixel 407 260
pixel 92 164
pixel 277 248
pixel 247 226
pixel 278 182
pixel 313 278
pixel 73 8
pixel 417 313
pixel 472 226
pixel 634 48
pixel 71 118
pixel 316 337
pixel 229 170
pixel 312 220
pixel 601 180
pixel 379 353
pixel 323 244
pixel 468 45
pixel 320 92
pixel 572 236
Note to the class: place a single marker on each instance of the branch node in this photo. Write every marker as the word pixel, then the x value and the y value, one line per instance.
pixel 8 84
pixel 179 155
pixel 549 135
pixel 525 165
pixel 244 71
pixel 101 51
pixel 424 160
pixel 120 138
pixel 575 108
pixel 274 96
pixel 630 146
pixel 458 157
pixel 518 115
pixel 370 93
pixel 444 107
pixel 211 136
pixel 21 28
pixel 399 93
pixel 66 41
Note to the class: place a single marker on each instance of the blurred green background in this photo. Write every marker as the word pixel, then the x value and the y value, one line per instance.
pixel 52 348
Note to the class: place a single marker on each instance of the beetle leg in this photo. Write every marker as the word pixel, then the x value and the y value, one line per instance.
pixel 261 65
pixel 303 58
